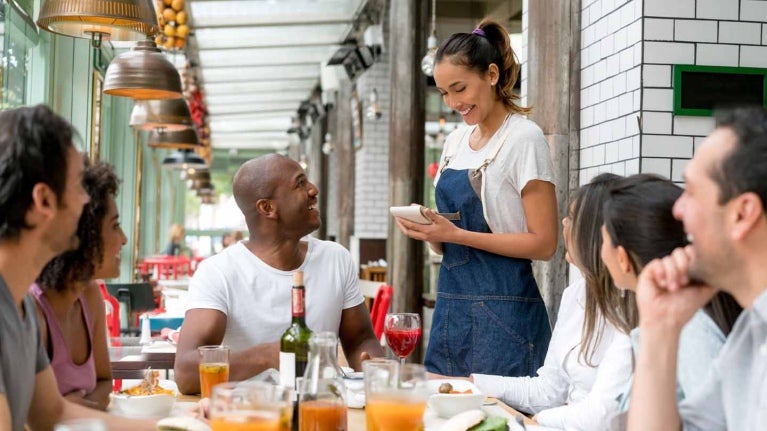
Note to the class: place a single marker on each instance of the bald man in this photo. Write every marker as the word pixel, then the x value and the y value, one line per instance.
pixel 241 297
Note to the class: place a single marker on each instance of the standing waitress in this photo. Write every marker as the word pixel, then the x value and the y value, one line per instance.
pixel 497 173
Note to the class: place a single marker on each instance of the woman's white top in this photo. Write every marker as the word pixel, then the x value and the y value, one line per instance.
pixel 524 156
pixel 567 393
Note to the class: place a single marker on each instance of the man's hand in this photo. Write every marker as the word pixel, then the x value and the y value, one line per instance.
pixel 665 294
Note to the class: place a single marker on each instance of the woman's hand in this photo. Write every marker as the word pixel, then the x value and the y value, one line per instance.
pixel 439 230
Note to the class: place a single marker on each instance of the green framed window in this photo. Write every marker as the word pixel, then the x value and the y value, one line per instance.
pixel 699 90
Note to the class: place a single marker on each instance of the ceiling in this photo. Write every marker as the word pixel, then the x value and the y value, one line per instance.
pixel 259 59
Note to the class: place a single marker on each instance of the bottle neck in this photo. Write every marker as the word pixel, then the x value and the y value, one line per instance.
pixel 299 305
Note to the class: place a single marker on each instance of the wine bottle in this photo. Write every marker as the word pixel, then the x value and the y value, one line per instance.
pixel 294 344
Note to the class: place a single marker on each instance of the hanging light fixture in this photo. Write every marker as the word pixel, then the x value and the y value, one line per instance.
pixel 208 199
pixel 427 64
pixel 143 73
pixel 184 159
pixel 181 140
pixel 169 115
pixel 200 181
pixel 206 190
pixel 97 19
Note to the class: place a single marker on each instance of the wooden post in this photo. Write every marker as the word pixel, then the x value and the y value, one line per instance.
pixel 554 93
pixel 318 166
pixel 345 164
pixel 407 45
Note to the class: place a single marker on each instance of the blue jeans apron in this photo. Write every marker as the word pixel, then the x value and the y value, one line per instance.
pixel 489 317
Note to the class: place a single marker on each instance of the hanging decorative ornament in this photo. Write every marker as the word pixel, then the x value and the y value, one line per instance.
pixel 427 64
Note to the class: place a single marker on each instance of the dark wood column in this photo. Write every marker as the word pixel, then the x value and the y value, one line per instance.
pixel 554 92
pixel 407 45
pixel 345 164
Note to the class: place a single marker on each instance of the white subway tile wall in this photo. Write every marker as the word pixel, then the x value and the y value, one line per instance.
pixel 628 48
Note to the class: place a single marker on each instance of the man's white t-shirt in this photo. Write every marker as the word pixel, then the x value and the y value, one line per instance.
pixel 256 298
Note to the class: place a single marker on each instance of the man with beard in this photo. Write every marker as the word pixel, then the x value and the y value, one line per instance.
pixel 241 297
pixel 723 212
pixel 41 199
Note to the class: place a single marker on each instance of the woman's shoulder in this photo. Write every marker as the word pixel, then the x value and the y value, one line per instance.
pixel 522 129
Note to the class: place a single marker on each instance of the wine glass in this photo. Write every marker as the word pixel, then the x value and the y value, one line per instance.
pixel 403 331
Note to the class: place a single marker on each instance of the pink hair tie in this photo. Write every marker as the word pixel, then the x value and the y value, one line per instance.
pixel 479 32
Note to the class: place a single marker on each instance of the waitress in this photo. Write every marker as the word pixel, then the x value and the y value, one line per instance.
pixel 496 172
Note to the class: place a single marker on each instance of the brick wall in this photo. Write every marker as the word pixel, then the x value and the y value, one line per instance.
pixel 701 32
pixel 611 56
pixel 371 211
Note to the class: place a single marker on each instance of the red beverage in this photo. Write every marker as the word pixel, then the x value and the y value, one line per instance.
pixel 402 341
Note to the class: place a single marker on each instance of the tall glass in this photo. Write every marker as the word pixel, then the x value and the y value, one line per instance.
pixel 395 396
pixel 403 332
pixel 81 425
pixel 214 367
pixel 248 406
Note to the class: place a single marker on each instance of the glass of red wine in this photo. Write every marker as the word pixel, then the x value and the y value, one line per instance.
pixel 403 332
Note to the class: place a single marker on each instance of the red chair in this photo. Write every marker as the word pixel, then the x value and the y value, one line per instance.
pixel 380 308
pixel 112 306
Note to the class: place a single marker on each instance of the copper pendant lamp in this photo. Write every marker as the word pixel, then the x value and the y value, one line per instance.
pixel 208 199
pixel 143 73
pixel 206 191
pixel 92 19
pixel 201 184
pixel 184 159
pixel 170 115
pixel 181 140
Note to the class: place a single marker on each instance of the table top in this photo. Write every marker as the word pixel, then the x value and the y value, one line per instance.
pixel 356 417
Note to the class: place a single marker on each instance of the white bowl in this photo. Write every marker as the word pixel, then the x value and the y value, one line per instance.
pixel 144 406
pixel 449 405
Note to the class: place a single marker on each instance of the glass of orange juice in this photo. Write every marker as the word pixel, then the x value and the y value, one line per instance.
pixel 248 406
pixel 395 395
pixel 214 367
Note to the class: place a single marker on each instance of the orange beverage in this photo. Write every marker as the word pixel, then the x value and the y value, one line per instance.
pixel 321 416
pixel 211 375
pixel 245 421
pixel 394 414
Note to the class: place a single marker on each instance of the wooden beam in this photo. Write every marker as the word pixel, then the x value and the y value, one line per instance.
pixel 407 45
pixel 553 91
pixel 345 164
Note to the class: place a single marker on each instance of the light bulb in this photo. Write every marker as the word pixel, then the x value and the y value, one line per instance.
pixel 427 64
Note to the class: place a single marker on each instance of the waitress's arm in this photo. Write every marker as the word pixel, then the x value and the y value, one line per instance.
pixel 539 242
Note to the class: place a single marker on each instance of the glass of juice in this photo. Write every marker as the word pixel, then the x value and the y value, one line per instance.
pixel 248 406
pixel 214 367
pixel 395 396
pixel 403 332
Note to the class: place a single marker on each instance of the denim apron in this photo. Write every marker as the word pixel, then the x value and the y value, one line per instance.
pixel 489 317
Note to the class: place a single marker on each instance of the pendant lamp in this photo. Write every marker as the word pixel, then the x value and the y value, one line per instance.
pixel 206 191
pixel 169 115
pixel 427 64
pixel 143 73
pixel 199 180
pixel 94 19
pixel 208 199
pixel 184 159
pixel 201 184
pixel 181 140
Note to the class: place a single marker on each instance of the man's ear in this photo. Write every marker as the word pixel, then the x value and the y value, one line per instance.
pixel 747 209
pixel 624 261
pixel 43 205
pixel 265 207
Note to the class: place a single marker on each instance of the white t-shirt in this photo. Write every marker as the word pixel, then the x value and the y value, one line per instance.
pixel 523 157
pixel 256 298
pixel 567 393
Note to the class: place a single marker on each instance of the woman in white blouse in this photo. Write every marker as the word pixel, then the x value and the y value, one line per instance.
pixel 589 359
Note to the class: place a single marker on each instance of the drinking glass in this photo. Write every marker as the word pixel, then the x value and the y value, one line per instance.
pixel 395 395
pixel 403 331
pixel 249 406
pixel 214 367
pixel 81 425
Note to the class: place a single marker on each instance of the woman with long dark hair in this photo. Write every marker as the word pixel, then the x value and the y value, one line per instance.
pixel 638 227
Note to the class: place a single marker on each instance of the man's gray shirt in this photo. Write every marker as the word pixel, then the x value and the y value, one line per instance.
pixel 22 355
pixel 734 396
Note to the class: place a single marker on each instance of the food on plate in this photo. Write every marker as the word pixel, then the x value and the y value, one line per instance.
pixel 493 423
pixel 464 421
pixel 447 388
pixel 149 386
pixel 181 423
